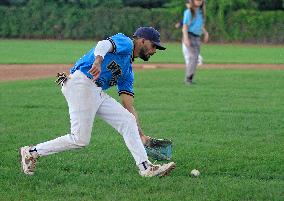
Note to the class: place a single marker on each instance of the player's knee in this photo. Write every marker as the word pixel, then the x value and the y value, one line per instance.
pixel 83 142
pixel 80 141
pixel 128 124
pixel 193 57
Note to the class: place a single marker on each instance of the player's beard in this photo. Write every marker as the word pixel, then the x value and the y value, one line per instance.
pixel 143 55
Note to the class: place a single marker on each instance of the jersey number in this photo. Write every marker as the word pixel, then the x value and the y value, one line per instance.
pixel 115 70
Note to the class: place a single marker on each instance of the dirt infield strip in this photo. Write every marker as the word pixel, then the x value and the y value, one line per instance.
pixel 36 71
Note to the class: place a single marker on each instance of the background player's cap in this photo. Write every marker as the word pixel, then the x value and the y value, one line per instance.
pixel 149 33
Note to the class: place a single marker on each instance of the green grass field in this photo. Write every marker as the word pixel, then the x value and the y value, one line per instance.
pixel 67 52
pixel 229 125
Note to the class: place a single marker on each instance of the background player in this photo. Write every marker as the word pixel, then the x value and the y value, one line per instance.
pixel 193 27
pixel 106 65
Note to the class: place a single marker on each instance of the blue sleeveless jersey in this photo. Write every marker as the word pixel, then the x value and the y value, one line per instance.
pixel 116 67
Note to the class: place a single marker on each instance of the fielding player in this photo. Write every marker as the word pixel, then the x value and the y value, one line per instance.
pixel 106 65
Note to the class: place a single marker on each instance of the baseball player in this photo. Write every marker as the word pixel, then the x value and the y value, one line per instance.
pixel 108 64
pixel 193 27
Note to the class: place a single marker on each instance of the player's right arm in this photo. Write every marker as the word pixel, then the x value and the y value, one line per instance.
pixel 102 48
pixel 185 27
pixel 185 37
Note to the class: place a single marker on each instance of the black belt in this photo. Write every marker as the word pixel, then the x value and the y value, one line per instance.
pixel 193 34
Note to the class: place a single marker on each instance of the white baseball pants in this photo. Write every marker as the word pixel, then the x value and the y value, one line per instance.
pixel 192 57
pixel 85 101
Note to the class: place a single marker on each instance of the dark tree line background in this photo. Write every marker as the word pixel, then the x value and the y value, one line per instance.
pixel 257 4
pixel 257 21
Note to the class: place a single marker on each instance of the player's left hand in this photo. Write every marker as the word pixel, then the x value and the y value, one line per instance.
pixel 145 139
pixel 206 37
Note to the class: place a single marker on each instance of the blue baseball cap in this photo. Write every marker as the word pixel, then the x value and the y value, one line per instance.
pixel 149 33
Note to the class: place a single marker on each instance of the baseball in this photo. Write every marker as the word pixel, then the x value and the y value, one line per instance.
pixel 194 173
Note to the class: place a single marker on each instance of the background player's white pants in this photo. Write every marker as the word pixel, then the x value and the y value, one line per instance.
pixel 85 101
pixel 186 54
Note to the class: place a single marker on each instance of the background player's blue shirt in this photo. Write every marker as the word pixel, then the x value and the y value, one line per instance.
pixel 116 67
pixel 194 24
